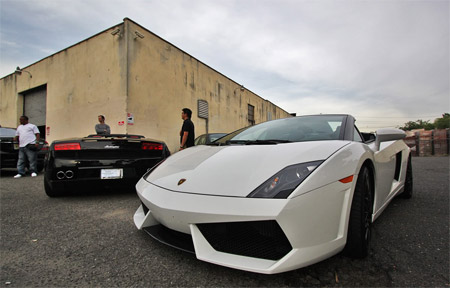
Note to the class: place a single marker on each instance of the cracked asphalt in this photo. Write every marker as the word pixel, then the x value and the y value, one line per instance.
pixel 90 240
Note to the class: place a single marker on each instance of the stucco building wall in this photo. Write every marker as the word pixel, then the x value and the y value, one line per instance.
pixel 129 72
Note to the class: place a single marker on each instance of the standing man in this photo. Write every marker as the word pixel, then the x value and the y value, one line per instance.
pixel 101 128
pixel 187 135
pixel 28 136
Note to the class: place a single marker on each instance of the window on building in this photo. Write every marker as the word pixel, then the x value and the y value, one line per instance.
pixel 251 114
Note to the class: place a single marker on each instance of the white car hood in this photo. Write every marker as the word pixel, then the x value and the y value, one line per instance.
pixel 234 171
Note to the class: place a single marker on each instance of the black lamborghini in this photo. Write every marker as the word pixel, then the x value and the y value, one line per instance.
pixel 99 162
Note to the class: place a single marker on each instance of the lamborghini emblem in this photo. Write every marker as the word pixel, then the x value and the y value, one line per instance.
pixel 181 181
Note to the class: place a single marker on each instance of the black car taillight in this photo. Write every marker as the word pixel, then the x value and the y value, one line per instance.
pixel 152 146
pixel 67 146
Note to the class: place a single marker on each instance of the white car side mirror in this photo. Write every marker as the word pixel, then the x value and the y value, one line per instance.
pixel 388 134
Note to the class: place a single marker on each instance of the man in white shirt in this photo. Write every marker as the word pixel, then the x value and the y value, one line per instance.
pixel 28 136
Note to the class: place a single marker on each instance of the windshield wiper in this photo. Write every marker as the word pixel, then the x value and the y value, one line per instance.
pixel 258 142
pixel 267 142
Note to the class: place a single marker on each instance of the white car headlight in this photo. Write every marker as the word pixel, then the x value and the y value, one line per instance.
pixel 285 181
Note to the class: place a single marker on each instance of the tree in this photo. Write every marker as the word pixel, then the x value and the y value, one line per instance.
pixel 439 123
pixel 419 124
pixel 442 123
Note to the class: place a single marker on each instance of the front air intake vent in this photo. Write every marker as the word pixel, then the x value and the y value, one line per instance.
pixel 258 239
pixel 144 208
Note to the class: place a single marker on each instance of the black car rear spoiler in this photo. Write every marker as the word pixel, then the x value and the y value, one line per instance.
pixel 109 136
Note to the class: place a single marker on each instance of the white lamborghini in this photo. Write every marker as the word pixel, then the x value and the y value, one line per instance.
pixel 276 196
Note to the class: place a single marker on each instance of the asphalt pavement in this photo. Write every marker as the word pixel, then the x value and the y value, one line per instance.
pixel 89 240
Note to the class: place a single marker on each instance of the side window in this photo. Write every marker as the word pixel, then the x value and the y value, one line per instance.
pixel 356 136
pixel 200 140
pixel 335 127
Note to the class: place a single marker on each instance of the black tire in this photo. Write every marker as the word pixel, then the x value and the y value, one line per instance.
pixel 408 189
pixel 360 222
pixel 49 191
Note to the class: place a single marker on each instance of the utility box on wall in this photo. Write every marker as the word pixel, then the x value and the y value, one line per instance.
pixel 203 110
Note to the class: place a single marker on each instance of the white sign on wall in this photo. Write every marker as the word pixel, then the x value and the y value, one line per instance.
pixel 130 118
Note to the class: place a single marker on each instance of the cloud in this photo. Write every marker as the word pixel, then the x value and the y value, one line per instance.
pixel 387 58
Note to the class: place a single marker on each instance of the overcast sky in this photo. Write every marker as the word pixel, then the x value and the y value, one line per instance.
pixel 384 62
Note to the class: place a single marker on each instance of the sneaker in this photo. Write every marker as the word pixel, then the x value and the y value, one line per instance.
pixel 33 174
pixel 18 176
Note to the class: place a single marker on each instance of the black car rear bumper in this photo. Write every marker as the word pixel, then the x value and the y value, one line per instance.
pixel 68 174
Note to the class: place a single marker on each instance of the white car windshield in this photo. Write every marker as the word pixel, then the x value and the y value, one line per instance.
pixel 296 129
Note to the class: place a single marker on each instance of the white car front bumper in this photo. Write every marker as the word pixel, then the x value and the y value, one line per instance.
pixel 314 224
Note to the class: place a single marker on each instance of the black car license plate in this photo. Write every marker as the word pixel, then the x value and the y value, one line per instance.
pixel 111 173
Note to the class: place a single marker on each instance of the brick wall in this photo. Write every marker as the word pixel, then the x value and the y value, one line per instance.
pixel 428 143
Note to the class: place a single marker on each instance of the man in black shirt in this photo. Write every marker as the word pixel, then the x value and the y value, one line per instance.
pixel 187 134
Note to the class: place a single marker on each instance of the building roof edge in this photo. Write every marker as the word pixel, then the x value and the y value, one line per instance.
pixel 134 22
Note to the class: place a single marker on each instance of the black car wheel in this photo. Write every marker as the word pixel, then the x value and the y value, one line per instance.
pixel 408 190
pixel 49 191
pixel 360 222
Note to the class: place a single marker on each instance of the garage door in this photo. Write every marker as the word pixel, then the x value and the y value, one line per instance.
pixel 35 107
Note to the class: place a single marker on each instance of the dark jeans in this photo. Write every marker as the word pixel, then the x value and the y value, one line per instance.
pixel 24 155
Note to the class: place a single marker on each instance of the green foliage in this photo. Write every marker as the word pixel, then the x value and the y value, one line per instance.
pixel 444 122
pixel 419 124
pixel 439 123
